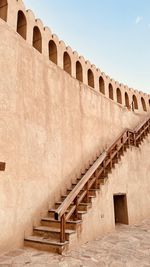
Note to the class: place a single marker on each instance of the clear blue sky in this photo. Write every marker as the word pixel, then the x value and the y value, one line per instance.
pixel 113 34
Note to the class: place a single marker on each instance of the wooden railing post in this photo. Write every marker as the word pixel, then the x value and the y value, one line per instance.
pixel 76 210
pixel 128 135
pixel 62 228
pixel 117 155
pixel 110 156
pixel 147 128
pixel 146 131
pixel 134 139
pixel 139 139
pixel 122 142
pixel 87 192
pixel 96 179
pixel 104 170
pixel 96 183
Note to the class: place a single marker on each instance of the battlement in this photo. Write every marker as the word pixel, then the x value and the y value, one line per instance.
pixel 45 42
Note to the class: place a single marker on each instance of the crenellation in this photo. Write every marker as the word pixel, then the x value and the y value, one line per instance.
pixel 91 79
pixel 103 84
pixel 30 21
pixel 69 50
pixel 67 57
pixel 78 69
pixel 93 66
pixel 85 69
pixel 11 13
pixel 82 61
pixel 39 37
pixel 96 78
pixel 110 91
pixel 61 50
pixel 126 99
pixel 73 61
pixel 39 24
pixel 115 90
pixel 47 37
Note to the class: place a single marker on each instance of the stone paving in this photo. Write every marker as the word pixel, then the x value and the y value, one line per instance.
pixel 128 246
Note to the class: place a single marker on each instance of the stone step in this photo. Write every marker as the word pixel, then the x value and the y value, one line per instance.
pixel 81 206
pixel 92 192
pixel 51 222
pixel 51 232
pixel 51 212
pixel 57 204
pixel 45 244
pixel 77 181
pixel 80 212
pixel 84 204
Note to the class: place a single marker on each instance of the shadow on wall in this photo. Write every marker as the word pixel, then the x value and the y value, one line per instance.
pixel 111 95
pixel 90 78
pixel 67 63
pixel 119 96
pixel 52 51
pixel 80 72
pixel 22 24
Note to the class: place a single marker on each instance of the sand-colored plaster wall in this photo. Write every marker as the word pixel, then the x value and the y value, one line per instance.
pixel 129 97
pixel 51 126
pixel 130 177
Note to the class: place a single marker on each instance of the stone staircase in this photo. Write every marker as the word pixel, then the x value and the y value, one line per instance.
pixel 59 229
pixel 47 235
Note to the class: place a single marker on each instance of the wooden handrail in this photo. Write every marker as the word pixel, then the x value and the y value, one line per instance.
pixel 116 140
pixel 68 200
pixel 141 124
pixel 95 171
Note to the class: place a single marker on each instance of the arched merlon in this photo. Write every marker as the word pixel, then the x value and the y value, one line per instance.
pixel 10 15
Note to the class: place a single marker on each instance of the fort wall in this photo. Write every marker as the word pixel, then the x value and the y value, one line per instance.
pixel 52 125
pixel 32 30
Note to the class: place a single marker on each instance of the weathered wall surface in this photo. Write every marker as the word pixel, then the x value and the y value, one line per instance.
pixel 51 126
pixel 52 48
pixel 130 177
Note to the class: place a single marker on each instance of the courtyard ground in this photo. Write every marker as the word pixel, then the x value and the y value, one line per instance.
pixel 128 246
